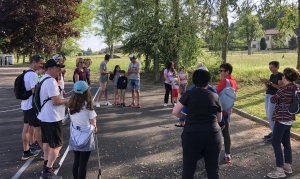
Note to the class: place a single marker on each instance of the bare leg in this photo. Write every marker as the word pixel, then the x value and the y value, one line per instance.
pixel 105 94
pixel 52 155
pixel 132 93
pixel 25 137
pixel 46 149
pixel 31 135
pixel 38 135
pixel 115 95
pixel 138 96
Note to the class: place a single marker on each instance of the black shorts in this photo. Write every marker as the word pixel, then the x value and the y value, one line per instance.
pixel 52 133
pixel 30 117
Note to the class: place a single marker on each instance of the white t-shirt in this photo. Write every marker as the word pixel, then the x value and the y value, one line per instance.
pixel 50 112
pixel 30 80
pixel 62 85
pixel 83 117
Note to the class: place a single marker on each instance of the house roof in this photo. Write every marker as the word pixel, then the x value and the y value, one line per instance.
pixel 272 31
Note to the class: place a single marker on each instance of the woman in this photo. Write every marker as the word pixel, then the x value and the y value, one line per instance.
pixel 183 76
pixel 273 84
pixel 201 133
pixel 283 123
pixel 116 76
pixel 79 73
pixel 83 117
pixel 168 75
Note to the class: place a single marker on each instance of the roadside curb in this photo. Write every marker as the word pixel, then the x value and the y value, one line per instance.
pixel 261 121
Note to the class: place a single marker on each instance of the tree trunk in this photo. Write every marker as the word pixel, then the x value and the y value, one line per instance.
pixel 223 10
pixel 176 31
pixel 18 57
pixel 156 56
pixel 298 38
pixel 156 67
pixel 147 63
pixel 23 60
pixel 111 51
pixel 249 47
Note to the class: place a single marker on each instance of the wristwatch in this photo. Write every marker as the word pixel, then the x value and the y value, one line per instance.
pixel 270 83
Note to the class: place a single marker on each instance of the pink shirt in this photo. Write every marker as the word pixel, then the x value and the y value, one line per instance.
pixel 182 77
pixel 169 74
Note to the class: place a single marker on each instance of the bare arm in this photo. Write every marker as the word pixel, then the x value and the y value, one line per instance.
pixel 219 116
pixel 166 77
pixel 56 100
pixel 76 76
pixel 177 111
pixel 94 123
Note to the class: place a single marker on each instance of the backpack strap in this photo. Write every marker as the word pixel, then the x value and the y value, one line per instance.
pixel 45 101
pixel 227 83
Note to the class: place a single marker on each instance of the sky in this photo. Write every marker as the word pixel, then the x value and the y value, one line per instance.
pixel 93 42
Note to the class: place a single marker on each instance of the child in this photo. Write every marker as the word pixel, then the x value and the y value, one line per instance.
pixel 115 80
pixel 121 86
pixel 40 72
pixel 88 63
pixel 183 76
pixel 175 86
pixel 83 119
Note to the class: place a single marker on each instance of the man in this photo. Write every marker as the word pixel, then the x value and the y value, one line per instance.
pixel 199 67
pixel 30 118
pixel 50 116
pixel 103 81
pixel 134 71
pixel 225 71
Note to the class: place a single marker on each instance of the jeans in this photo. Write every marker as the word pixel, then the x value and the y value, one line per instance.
pixel 207 143
pixel 282 134
pixel 80 164
pixel 168 88
pixel 269 107
pixel 226 134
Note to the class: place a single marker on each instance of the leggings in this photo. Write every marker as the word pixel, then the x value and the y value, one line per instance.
pixel 80 164
pixel 226 134
pixel 168 88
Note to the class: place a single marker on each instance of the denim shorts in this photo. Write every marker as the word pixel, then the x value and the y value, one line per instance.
pixel 135 84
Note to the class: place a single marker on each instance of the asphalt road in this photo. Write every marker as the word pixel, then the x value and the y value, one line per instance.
pixel 135 143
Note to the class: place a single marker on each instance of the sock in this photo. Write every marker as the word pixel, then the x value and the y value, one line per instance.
pixel 227 155
pixel 27 152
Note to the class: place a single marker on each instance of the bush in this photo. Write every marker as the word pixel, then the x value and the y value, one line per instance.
pixel 263 44
pixel 293 43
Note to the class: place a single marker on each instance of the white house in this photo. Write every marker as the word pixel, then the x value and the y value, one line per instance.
pixel 270 35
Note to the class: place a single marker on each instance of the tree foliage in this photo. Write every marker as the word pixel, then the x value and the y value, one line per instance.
pixel 36 26
pixel 293 43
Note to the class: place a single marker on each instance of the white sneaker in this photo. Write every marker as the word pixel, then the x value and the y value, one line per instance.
pixel 165 104
pixel 107 104
pixel 97 104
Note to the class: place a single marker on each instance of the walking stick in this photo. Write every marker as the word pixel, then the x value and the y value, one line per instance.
pixel 99 172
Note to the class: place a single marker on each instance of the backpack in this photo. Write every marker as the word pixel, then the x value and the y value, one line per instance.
pixel 36 100
pixel 111 77
pixel 19 87
pixel 295 105
pixel 227 97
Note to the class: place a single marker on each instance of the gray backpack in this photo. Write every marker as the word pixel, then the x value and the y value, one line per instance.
pixel 227 97
pixel 295 105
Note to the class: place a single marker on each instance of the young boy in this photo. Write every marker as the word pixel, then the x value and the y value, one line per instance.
pixel 175 87
pixel 121 86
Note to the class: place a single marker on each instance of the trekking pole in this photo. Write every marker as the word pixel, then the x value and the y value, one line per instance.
pixel 96 94
pixel 97 148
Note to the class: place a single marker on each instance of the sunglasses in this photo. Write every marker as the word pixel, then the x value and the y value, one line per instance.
pixel 220 71
pixel 81 62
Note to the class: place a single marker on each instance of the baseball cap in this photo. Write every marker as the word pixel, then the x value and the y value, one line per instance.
pixel 57 57
pixel 132 56
pixel 80 87
pixel 53 63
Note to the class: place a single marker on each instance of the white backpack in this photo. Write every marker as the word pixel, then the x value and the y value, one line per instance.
pixel 227 97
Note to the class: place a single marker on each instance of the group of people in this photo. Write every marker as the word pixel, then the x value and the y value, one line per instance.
pixel 201 114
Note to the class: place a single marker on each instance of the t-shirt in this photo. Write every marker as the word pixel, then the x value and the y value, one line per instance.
pixel 103 77
pixel 202 107
pixel 50 112
pixel 83 117
pixel 30 80
pixel 134 66
pixel 182 77
pixel 116 77
pixel 274 79
pixel 170 75
pixel 175 84
pixel 81 74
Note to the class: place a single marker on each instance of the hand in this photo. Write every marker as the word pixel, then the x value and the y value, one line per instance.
pixel 222 127
pixel 110 72
pixel 96 130
pixel 63 92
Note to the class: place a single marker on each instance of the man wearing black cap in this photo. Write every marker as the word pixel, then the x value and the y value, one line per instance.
pixel 30 119
pixel 51 115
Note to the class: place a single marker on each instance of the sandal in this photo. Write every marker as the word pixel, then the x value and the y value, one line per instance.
pixel 139 105
pixel 132 104
pixel 179 124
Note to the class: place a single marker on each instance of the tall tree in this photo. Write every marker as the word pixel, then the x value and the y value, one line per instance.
pixel 36 26
pixel 110 22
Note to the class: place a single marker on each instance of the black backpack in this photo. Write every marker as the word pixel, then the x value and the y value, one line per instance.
pixel 19 87
pixel 111 77
pixel 36 101
pixel 295 105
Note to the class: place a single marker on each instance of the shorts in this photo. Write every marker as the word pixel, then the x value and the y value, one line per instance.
pixel 135 84
pixel 30 117
pixel 52 133
pixel 103 85
pixel 174 93
pixel 121 92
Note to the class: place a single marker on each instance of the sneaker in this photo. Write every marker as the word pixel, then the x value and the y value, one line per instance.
pixel 174 104
pixel 50 175
pixel 34 146
pixel 97 104
pixel 115 103
pixel 165 104
pixel 107 104
pixel 269 140
pixel 227 159
pixel 132 104
pixel 268 136
pixel 276 174
pixel 139 105
pixel 55 167
pixel 288 170
pixel 31 154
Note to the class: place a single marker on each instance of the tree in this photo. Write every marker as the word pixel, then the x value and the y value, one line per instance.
pixel 36 26
pixel 263 44
pixel 110 20
pixel 293 43
pixel 89 51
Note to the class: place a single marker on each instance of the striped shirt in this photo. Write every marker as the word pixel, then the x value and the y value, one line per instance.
pixel 283 95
